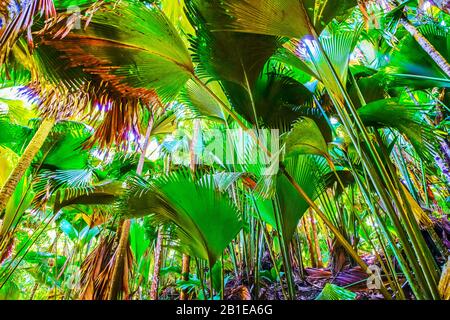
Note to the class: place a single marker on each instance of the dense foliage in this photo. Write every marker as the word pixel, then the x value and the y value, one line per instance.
pixel 239 149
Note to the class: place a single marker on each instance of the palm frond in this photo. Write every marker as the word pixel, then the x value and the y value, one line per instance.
pixel 200 224
pixel 200 103
pixel 308 171
pixel 287 18
pixel 334 292
pixel 127 36
pixel 127 55
pixel 410 65
pixel 338 46
pixel 22 22
pixel 408 119
pixel 305 138
pixel 90 194
pixel 234 59
pixel 278 98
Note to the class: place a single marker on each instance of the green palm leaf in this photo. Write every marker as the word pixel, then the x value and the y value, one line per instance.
pixel 200 102
pixel 410 65
pixel 112 69
pixel 338 46
pixel 102 194
pixel 205 226
pixel 278 99
pixel 14 136
pixel 407 118
pixel 234 59
pixel 131 45
pixel 309 172
pixel 305 138
pixel 237 61
pixel 63 149
pixel 288 18
pixel 334 292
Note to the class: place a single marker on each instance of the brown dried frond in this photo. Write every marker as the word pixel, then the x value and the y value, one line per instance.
pixel 239 293
pixel 115 115
pixel 97 270
pixel 79 85
pixel 22 22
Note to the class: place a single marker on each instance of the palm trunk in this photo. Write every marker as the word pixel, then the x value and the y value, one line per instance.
pixel 124 227
pixel 117 275
pixel 157 266
pixel 315 241
pixel 193 165
pixel 310 244
pixel 185 268
pixel 25 161
pixel 195 136
pixel 158 252
pixel 427 47
pixel 33 291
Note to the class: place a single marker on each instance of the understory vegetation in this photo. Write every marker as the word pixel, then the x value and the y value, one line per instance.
pixel 224 149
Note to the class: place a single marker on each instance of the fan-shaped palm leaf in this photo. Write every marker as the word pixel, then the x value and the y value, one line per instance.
pixel 205 227
pixel 309 172
pixel 305 138
pixel 14 136
pixel 407 118
pixel 278 99
pixel 411 65
pixel 200 102
pixel 236 60
pixel 110 70
pixel 337 46
pixel 334 292
pixel 22 22
pixel 288 18
pixel 128 36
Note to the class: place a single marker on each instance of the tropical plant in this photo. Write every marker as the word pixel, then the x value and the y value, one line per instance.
pixel 207 149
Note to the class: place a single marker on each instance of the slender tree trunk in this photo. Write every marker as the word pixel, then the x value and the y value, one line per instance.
pixel 315 240
pixel 310 244
pixel 185 269
pixel 298 248
pixel 25 161
pixel 427 47
pixel 195 137
pixel 124 227
pixel 157 266
pixel 158 251
pixel 117 275
pixel 193 165
pixel 33 291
